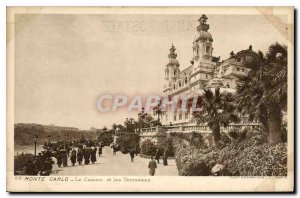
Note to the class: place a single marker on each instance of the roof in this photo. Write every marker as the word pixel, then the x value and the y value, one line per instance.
pixel 186 70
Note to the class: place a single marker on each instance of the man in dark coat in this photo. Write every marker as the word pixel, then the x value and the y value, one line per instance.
pixel 157 155
pixel 59 158
pixel 165 158
pixel 80 156
pixel 65 158
pixel 152 166
pixel 86 155
pixel 73 157
pixel 100 150
pixel 132 153
pixel 93 155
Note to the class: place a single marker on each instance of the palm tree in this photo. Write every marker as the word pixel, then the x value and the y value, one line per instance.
pixel 216 109
pixel 144 119
pixel 263 93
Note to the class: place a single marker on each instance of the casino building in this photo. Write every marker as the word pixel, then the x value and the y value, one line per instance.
pixel 204 71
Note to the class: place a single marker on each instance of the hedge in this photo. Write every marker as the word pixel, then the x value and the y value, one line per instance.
pixel 248 154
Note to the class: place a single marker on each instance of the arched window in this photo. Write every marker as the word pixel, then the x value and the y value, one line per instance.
pixel 207 49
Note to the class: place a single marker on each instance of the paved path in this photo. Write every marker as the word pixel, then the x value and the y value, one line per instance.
pixel 116 165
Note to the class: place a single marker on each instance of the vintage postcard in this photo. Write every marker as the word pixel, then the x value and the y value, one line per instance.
pixel 150 99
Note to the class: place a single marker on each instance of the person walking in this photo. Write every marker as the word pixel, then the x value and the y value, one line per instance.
pixel 65 158
pixel 157 155
pixel 165 158
pixel 59 158
pixel 86 155
pixel 73 156
pixel 132 153
pixel 152 166
pixel 93 155
pixel 114 147
pixel 79 156
pixel 100 150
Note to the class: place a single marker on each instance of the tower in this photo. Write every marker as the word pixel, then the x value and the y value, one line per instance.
pixel 203 67
pixel 172 70
pixel 202 45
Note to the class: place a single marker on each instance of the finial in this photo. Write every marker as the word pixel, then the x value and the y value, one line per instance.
pixel 203 26
pixel 250 47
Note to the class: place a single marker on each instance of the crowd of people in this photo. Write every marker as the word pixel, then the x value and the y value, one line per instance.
pixel 81 152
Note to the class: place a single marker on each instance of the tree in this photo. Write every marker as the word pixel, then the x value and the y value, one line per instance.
pixel 263 92
pixel 130 125
pixel 216 109
pixel 144 119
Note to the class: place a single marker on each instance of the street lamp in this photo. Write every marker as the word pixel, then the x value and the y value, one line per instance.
pixel 35 140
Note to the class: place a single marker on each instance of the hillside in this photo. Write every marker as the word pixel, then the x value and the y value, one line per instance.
pixel 24 133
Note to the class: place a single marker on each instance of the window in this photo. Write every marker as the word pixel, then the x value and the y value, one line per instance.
pixel 206 76
pixel 243 69
pixel 175 117
pixel 207 49
pixel 237 69
pixel 180 116
pixel 174 72
pixel 186 116
pixel 185 81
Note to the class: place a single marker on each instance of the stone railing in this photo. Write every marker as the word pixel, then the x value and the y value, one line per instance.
pixel 153 131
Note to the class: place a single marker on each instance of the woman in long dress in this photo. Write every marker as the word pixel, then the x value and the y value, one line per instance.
pixel 73 157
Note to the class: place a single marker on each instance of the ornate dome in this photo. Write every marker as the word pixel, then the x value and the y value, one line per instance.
pixel 173 61
pixel 205 35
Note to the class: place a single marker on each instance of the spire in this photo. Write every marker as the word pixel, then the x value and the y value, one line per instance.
pixel 202 24
pixel 172 52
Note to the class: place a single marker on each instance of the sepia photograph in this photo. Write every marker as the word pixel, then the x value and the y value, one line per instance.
pixel 158 99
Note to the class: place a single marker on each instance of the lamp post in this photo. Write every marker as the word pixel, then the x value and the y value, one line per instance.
pixel 35 140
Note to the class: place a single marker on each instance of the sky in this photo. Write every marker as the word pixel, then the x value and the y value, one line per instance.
pixel 63 63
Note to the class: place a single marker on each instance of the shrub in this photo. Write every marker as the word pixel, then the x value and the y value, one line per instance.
pixel 261 160
pixel 248 154
pixel 127 142
pixel 21 161
pixel 106 138
pixel 167 144
pixel 148 148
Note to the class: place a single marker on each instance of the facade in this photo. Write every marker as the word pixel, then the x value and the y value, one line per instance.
pixel 204 71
